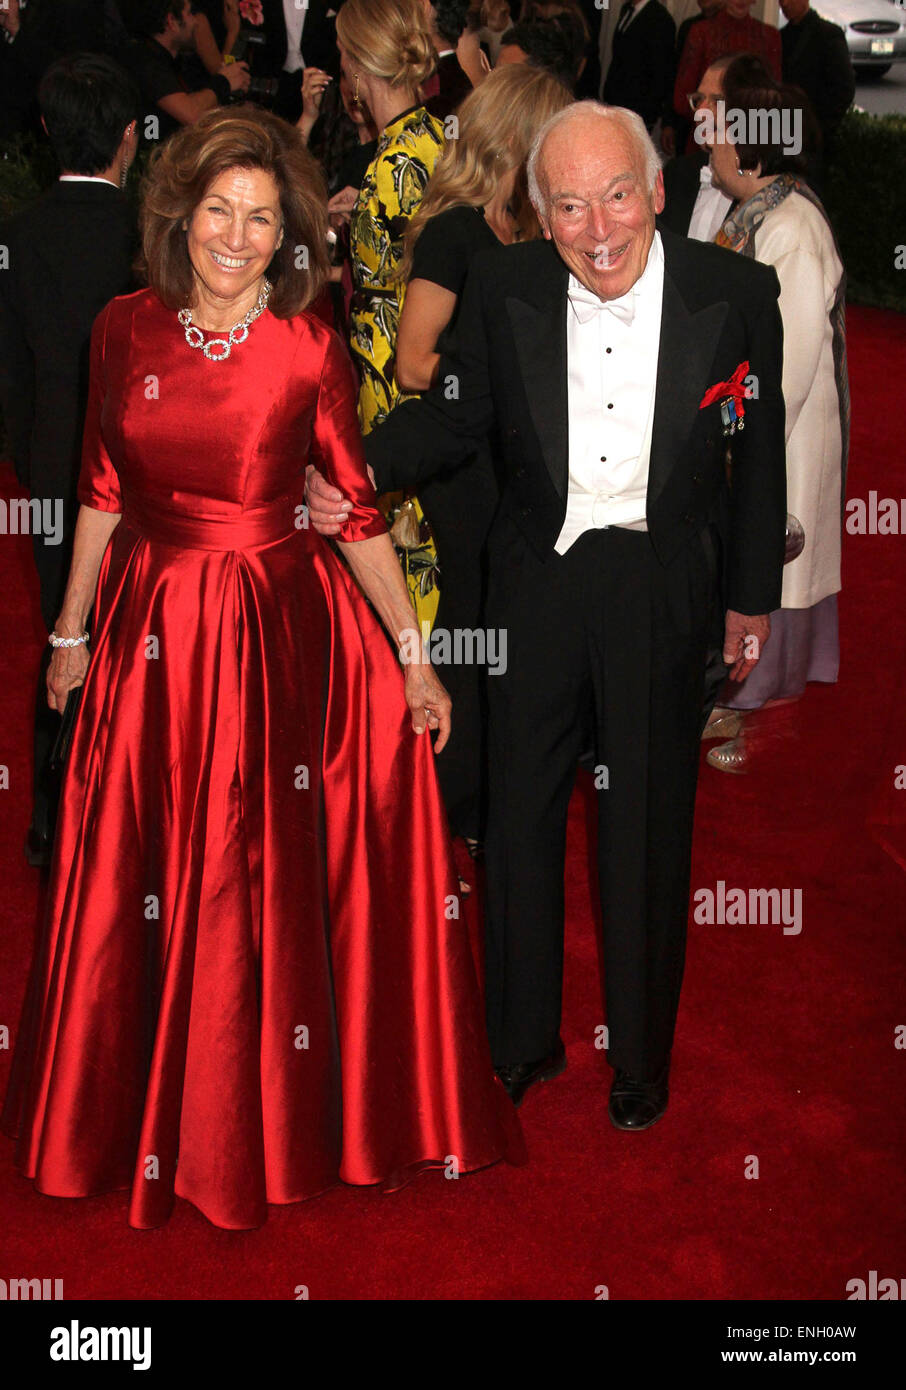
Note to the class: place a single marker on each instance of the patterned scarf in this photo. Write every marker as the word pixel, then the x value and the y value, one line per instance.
pixel 738 234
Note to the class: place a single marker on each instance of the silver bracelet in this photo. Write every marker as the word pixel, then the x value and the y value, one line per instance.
pixel 56 641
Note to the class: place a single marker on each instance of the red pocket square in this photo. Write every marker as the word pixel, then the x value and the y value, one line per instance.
pixel 735 387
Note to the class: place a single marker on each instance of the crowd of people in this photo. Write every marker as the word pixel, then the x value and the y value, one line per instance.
pixel 443 333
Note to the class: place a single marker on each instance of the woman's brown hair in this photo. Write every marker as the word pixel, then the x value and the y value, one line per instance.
pixel 181 171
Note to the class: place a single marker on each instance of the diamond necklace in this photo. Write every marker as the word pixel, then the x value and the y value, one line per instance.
pixel 237 334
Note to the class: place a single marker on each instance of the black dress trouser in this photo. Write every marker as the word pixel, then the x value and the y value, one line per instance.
pixel 52 563
pixel 459 507
pixel 603 637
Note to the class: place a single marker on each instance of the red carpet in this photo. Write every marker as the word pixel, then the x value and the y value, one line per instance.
pixel 786 1048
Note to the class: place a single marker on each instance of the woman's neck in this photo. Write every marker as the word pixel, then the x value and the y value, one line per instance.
pixel 747 188
pixel 217 315
pixel 496 211
pixel 386 103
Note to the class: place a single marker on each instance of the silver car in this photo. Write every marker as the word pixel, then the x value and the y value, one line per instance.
pixel 875 31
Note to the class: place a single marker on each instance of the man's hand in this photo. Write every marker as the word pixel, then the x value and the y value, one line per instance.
pixel 744 638
pixel 327 507
pixel 9 17
pixel 238 76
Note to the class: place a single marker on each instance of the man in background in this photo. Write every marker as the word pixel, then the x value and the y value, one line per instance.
pixel 640 76
pixel 816 58
pixel 297 37
pixel 69 253
pixel 33 34
pixel 164 30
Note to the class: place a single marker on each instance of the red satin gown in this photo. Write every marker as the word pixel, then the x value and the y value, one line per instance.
pixel 251 982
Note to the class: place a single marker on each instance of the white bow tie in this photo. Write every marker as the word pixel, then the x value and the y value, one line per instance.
pixel 586 304
pixel 704 176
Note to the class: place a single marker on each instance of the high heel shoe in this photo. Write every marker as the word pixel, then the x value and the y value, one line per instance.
pixel 726 725
pixel 729 757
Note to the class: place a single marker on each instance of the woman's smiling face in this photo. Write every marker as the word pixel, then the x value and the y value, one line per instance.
pixel 234 232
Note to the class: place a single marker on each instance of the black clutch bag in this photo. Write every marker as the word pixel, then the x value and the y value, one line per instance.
pixel 60 750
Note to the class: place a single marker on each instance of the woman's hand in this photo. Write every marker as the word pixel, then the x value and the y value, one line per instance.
pixel 314 84
pixel 341 205
pixel 67 669
pixel 429 702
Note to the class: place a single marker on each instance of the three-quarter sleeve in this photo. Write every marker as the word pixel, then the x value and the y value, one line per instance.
pixel 99 484
pixel 336 447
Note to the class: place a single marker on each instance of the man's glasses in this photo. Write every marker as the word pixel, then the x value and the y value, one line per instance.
pixel 697 99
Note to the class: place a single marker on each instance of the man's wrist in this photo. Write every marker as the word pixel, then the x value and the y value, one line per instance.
pixel 221 88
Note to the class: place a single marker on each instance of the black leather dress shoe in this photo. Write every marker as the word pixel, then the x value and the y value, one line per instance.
pixel 518 1076
pixel 638 1104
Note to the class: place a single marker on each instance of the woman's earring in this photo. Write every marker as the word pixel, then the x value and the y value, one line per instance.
pixel 355 91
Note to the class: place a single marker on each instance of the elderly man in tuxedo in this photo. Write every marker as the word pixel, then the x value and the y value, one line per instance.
pixel 605 355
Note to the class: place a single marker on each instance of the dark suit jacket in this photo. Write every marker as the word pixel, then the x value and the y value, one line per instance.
pixel 681 185
pixel 509 360
pixel 816 58
pixel 49 29
pixel 69 253
pixel 642 66
pixel 319 37
pixel 454 88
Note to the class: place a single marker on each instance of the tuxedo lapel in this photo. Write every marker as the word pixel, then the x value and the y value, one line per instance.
pixel 685 357
pixel 538 320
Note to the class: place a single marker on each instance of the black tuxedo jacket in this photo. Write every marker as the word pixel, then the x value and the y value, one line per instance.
pixel 642 66
pixel 69 253
pixel 681 185
pixel 507 368
pixel 319 37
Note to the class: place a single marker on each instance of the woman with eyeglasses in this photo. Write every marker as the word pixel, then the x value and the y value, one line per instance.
pixel 777 219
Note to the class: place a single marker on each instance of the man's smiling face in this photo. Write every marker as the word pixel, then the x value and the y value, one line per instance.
pixel 600 210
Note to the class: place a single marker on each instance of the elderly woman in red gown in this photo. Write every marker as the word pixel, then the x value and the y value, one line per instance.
pixel 252 980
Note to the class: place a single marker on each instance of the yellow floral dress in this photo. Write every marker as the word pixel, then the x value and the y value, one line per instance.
pixel 407 151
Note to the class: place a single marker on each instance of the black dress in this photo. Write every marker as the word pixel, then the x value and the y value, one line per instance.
pixel 459 507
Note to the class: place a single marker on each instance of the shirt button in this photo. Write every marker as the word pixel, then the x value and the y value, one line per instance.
pixel 608 349
pixel 603 458
pixel 610 405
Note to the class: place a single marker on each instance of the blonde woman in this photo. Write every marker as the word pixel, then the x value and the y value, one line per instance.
pixel 386 54
pixel 473 201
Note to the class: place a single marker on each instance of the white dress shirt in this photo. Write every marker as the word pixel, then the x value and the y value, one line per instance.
pixel 612 355
pixel 711 209
pixel 295 23
pixel 86 178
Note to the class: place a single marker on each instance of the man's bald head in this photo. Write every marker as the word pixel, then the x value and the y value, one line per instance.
pixel 595 181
